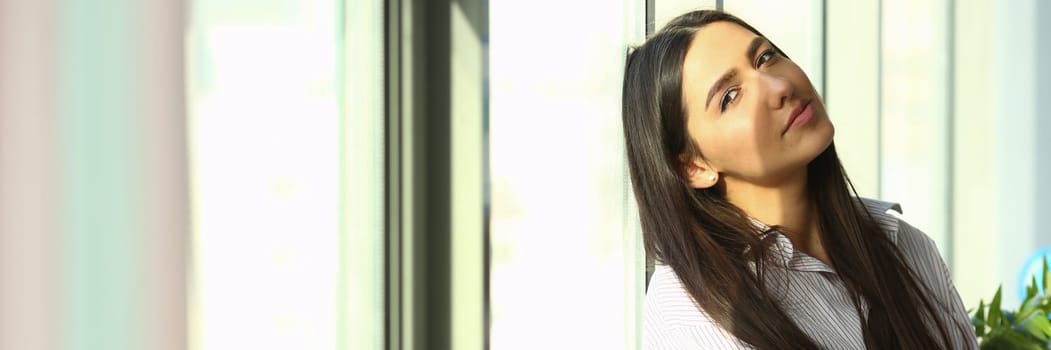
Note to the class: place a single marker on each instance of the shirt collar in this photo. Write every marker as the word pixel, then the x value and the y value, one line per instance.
pixel 783 252
pixel 886 214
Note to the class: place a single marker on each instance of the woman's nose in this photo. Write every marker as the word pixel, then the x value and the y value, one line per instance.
pixel 778 89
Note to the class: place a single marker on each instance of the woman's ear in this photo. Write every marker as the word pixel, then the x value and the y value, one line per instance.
pixel 700 174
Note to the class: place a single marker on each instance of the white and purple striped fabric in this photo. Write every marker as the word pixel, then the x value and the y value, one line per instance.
pixel 814 296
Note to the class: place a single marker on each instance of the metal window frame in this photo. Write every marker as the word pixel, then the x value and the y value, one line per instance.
pixel 427 215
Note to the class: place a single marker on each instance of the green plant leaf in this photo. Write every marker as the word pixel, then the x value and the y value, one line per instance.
pixel 995 317
pixel 1029 328
pixel 1038 326
pixel 1047 278
pixel 1031 289
pixel 1029 305
pixel 979 328
pixel 1007 339
pixel 979 319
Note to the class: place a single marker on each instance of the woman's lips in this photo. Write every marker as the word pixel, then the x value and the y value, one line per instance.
pixel 801 115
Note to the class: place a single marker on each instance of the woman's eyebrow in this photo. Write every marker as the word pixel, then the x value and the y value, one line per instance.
pixel 719 84
pixel 753 47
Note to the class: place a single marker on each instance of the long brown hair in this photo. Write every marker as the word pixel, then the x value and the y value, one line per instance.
pixel 702 236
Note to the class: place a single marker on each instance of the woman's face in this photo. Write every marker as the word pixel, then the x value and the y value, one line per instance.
pixel 753 113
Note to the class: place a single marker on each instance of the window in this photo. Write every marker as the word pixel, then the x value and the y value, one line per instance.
pixel 264 150
pixel 566 253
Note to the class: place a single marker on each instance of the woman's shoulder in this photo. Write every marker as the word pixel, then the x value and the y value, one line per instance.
pixel 889 216
pixel 667 296
pixel 919 250
pixel 886 214
pixel 923 257
pixel 672 320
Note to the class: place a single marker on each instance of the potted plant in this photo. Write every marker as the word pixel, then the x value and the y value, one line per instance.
pixel 1027 328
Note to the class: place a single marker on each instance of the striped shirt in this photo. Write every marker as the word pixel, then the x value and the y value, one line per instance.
pixel 815 299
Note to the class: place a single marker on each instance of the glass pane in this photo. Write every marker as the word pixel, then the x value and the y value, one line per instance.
pixel 362 279
pixel 566 267
pixel 914 135
pixel 264 126
pixel 795 26
pixel 666 10
pixel 852 88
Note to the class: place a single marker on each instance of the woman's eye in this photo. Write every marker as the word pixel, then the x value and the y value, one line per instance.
pixel 730 96
pixel 765 57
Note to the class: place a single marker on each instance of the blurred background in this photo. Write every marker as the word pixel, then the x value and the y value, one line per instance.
pixel 413 174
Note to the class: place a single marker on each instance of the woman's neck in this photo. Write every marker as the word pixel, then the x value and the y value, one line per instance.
pixel 786 204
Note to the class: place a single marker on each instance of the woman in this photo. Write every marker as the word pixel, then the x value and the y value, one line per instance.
pixel 758 237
